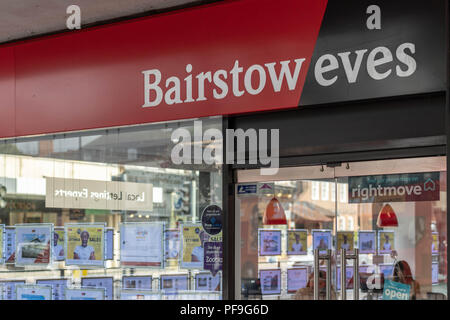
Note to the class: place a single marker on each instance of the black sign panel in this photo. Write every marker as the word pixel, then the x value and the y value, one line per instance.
pixel 212 219
pixel 370 49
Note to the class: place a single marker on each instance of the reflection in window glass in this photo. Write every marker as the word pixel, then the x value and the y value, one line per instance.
pixel 85 189
pixel 363 218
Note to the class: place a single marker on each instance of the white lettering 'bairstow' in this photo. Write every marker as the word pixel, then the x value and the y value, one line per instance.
pixel 172 87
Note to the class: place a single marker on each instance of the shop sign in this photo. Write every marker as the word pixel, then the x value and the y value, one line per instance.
pixel 179 65
pixel 407 187
pixel 213 257
pixel 395 290
pixel 92 194
pixel 266 188
pixel 246 189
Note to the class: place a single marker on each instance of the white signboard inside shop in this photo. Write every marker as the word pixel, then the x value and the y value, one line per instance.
pixel 93 194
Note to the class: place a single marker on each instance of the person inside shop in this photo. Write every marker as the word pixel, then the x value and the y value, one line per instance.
pixel 84 252
pixel 386 244
pixel 402 273
pixel 58 250
pixel 345 245
pixel 198 252
pixel 307 293
pixel 297 245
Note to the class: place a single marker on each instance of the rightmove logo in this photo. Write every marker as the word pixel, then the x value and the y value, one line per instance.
pixel 207 147
pixel 380 191
pixel 418 186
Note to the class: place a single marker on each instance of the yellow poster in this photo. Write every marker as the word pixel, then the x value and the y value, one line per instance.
pixel 345 240
pixel 297 242
pixel 85 244
pixel 193 239
pixel 385 242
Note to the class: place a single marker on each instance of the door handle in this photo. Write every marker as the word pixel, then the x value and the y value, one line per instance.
pixel 355 257
pixel 317 258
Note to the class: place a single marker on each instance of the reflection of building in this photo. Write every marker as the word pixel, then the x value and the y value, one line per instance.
pixel 139 156
pixel 317 203
pixel 25 199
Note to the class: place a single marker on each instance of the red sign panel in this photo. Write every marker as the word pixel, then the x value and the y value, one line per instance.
pixel 224 58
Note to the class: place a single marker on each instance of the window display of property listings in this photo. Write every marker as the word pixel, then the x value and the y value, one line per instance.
pixel 96 218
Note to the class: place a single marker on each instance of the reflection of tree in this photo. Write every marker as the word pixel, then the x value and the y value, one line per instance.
pixel 9 149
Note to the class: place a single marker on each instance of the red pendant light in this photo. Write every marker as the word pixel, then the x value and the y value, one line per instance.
pixel 274 214
pixel 387 217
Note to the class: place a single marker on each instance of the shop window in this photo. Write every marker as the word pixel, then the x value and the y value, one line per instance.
pixel 125 211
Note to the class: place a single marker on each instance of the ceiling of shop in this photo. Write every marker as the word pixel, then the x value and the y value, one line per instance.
pixel 27 18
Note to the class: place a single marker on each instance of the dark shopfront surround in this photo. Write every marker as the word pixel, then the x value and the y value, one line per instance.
pixel 339 123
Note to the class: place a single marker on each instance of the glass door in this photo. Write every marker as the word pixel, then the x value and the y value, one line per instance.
pixel 394 212
pixel 282 221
